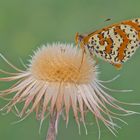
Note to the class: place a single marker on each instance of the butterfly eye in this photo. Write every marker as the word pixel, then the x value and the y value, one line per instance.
pixel 80 38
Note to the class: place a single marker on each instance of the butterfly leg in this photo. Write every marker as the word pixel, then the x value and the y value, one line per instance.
pixel 81 46
pixel 83 54
pixel 96 60
pixel 94 57
pixel 77 39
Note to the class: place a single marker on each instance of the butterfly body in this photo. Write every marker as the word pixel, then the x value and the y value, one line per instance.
pixel 115 43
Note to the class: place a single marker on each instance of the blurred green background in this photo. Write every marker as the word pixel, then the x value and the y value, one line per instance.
pixel 27 24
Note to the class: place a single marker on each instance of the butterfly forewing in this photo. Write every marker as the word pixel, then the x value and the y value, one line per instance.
pixel 116 43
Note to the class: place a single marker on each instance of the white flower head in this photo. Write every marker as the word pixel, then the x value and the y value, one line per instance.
pixel 55 81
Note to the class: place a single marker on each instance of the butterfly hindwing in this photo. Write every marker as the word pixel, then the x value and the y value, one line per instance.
pixel 116 43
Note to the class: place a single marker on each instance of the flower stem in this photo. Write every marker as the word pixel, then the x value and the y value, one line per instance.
pixel 52 130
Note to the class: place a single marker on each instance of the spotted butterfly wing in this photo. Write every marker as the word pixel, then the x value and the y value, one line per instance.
pixel 115 43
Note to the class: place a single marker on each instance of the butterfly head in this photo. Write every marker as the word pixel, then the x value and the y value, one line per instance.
pixel 78 38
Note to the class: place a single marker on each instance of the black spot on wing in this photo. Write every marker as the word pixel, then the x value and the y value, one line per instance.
pixel 136 20
pixel 101 52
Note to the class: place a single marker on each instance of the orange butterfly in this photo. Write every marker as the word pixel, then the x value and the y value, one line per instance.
pixel 115 43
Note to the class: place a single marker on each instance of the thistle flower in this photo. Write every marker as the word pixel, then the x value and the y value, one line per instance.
pixel 54 82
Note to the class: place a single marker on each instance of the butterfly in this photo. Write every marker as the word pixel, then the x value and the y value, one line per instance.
pixel 115 43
